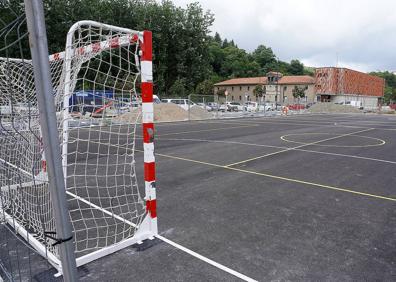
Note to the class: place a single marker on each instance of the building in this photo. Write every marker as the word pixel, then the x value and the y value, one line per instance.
pixel 330 84
pixel 342 85
pixel 276 88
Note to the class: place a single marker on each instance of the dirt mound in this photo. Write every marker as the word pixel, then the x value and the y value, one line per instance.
pixel 199 113
pixel 332 108
pixel 167 112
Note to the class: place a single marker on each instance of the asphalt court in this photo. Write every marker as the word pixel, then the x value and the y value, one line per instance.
pixel 318 204
pixel 296 198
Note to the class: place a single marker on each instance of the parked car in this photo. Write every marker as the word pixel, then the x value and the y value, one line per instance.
pixel 205 106
pixel 183 103
pixel 267 107
pixel 213 105
pixel 222 108
pixel 156 99
pixel 251 106
pixel 234 106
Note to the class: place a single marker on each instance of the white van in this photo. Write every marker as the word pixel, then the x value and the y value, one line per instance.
pixel 180 102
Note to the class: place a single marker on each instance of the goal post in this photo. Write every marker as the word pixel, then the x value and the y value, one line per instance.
pixel 104 71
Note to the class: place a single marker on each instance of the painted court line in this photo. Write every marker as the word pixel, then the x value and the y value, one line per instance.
pixel 380 141
pixel 297 147
pixel 337 123
pixel 312 184
pixel 205 259
pixel 205 130
pixel 174 244
pixel 280 147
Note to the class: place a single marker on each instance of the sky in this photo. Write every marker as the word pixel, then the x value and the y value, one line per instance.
pixel 358 34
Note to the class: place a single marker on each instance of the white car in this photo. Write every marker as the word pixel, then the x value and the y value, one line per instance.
pixel 205 106
pixel 267 107
pixel 213 105
pixel 251 106
pixel 234 106
pixel 183 103
pixel 222 108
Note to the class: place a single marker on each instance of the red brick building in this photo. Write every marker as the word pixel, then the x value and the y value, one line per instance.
pixel 341 84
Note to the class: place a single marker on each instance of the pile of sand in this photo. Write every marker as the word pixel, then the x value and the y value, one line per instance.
pixel 332 108
pixel 197 113
pixel 167 112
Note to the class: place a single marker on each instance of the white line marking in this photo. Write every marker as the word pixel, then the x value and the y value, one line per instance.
pixel 298 147
pixel 279 147
pixel 174 244
pixel 285 138
pixel 289 121
pixel 205 259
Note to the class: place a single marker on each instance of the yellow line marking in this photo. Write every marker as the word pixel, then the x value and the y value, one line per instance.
pixel 381 142
pixel 297 147
pixel 205 130
pixel 279 177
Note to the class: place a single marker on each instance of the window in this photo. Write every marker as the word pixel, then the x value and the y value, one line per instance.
pixel 218 88
pixel 232 88
pixel 240 88
pixel 284 88
pixel 240 98
pixel 248 88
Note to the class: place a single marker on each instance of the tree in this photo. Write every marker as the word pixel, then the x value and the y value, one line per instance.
pixel 258 91
pixel 217 38
pixel 178 88
pixel 299 91
pixel 263 56
pixel 296 67
pixel 205 87
pixel 390 85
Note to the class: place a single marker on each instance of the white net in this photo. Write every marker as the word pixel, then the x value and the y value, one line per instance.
pixel 24 186
pixel 95 85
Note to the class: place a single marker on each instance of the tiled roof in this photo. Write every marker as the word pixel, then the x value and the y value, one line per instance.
pixel 243 81
pixel 297 79
pixel 289 79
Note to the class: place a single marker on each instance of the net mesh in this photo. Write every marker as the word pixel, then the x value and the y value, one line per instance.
pixel 95 86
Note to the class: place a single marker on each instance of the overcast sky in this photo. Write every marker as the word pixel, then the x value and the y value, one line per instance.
pixel 361 32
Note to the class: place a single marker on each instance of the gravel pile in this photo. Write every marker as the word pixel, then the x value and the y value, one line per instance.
pixel 197 113
pixel 167 112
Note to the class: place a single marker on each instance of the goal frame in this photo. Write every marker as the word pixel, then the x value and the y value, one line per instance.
pixel 148 228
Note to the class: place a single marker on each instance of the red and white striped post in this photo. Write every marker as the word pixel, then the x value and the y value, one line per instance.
pixel 148 128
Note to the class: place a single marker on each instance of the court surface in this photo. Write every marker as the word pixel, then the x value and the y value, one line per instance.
pixel 307 197
pixel 300 198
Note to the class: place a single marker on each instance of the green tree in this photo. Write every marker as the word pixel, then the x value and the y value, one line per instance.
pixel 390 85
pixel 296 68
pixel 206 87
pixel 258 91
pixel 264 56
pixel 299 91
pixel 178 88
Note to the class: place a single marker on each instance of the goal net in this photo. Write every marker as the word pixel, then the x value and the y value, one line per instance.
pixel 97 82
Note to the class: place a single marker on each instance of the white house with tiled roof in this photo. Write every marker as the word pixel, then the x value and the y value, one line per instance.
pixel 277 88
